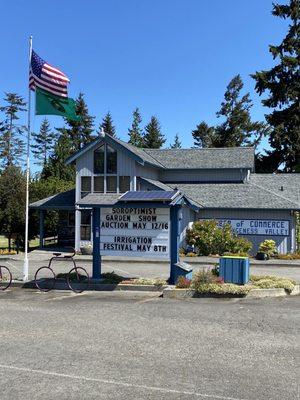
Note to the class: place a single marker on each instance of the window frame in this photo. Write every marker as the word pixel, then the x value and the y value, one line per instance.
pixel 105 174
pixel 85 192
pixel 87 227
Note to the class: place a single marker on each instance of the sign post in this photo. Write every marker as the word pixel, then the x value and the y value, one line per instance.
pixel 96 244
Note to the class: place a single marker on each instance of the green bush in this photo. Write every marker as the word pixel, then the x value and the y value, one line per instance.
pixel 208 239
pixel 268 247
pixel 111 277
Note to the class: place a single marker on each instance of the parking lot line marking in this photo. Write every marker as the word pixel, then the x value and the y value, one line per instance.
pixel 118 383
pixel 66 297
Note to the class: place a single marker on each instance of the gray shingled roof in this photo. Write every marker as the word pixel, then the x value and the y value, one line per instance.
pixel 155 183
pixel 108 199
pixel 60 201
pixel 285 185
pixel 215 158
pixel 231 157
pixel 238 195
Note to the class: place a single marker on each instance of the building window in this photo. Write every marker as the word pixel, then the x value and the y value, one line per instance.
pixel 124 184
pixel 105 169
pixel 111 160
pixel 99 184
pixel 111 184
pixel 86 185
pixel 99 159
pixel 71 218
pixel 85 225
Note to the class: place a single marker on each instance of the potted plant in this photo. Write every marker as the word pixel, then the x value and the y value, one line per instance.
pixel 267 249
pixel 86 250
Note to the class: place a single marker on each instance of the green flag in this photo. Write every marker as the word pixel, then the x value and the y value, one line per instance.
pixel 48 104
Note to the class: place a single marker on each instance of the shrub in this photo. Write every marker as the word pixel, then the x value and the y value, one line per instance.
pixel 183 283
pixel 148 281
pixel 191 255
pixel 182 251
pixel 111 277
pixel 7 252
pixel 272 282
pixel 288 256
pixel 202 277
pixel 226 288
pixel 269 247
pixel 208 239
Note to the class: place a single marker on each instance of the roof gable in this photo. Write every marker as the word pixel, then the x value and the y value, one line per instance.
pixel 206 158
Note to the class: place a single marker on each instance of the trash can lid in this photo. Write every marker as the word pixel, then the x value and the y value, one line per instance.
pixel 240 257
pixel 185 266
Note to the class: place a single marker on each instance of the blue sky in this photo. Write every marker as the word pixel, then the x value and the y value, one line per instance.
pixel 171 58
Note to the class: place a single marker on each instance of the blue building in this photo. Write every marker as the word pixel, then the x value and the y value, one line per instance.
pixel 219 183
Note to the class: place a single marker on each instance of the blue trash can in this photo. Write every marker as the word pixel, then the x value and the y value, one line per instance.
pixel 182 269
pixel 234 269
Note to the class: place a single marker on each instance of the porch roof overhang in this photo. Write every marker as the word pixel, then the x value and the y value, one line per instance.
pixel 96 200
pixel 60 201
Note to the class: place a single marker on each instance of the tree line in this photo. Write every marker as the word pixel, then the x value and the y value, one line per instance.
pixel 279 86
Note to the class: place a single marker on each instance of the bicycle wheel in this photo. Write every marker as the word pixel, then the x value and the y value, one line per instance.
pixel 44 279
pixel 78 279
pixel 5 278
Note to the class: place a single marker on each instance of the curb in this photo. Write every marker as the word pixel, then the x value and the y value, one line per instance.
pixel 172 293
pixel 95 286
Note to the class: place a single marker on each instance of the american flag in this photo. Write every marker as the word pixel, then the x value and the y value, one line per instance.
pixel 46 77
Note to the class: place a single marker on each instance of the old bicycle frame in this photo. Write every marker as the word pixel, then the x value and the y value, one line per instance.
pixel 5 277
pixel 77 278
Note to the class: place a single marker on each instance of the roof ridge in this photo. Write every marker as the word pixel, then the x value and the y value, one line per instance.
pixel 274 193
pixel 201 148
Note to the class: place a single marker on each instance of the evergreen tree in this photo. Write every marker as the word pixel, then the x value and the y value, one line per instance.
pixel 56 166
pixel 71 138
pixel 108 125
pixel 177 143
pixel 282 85
pixel 204 135
pixel 12 203
pixel 153 138
pixel 43 143
pixel 237 129
pixel 135 132
pixel 11 143
pixel 79 132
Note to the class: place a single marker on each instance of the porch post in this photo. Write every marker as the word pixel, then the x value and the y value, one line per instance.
pixel 42 217
pixel 174 241
pixel 96 244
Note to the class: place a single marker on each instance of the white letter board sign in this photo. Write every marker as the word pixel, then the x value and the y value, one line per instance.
pixel 135 232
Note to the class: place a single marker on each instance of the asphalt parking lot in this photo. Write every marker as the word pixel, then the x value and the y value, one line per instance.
pixel 100 345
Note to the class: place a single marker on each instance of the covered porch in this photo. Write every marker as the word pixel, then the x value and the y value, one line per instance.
pixel 64 206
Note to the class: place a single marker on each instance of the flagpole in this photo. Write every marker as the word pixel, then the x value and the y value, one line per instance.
pixel 25 265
